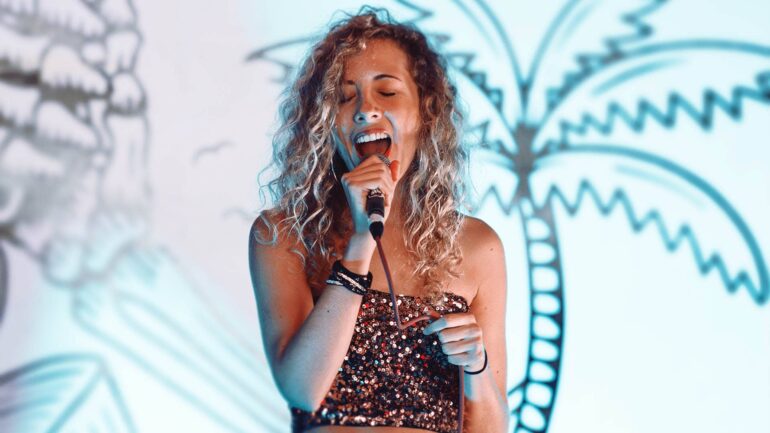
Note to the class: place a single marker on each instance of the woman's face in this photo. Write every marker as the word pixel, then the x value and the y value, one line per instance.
pixel 379 110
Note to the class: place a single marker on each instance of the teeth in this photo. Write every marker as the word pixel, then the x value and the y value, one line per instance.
pixel 371 137
pixel 127 94
pixel 55 122
pixel 72 15
pixel 18 6
pixel 81 111
pixel 63 68
pixel 23 159
pixel 94 53
pixel 14 198
pixel 126 180
pixel 17 104
pixel 121 51
pixel 118 12
pixel 23 52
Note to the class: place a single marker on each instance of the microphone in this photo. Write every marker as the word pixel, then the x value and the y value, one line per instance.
pixel 375 206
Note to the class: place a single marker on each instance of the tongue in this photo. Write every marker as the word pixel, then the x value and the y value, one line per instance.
pixel 371 147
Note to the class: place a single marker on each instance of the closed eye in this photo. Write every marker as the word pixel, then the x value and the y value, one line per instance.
pixel 344 99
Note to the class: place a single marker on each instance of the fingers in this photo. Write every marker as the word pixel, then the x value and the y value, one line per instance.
pixel 458 333
pixel 378 168
pixel 371 160
pixel 466 359
pixel 449 321
pixel 462 346
pixel 370 180
pixel 370 174
pixel 461 338
pixel 394 165
pixel 455 327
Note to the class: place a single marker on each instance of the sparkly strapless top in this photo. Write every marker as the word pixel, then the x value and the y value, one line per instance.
pixel 391 377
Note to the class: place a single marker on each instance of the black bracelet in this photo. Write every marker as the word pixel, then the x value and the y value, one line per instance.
pixel 482 368
pixel 356 283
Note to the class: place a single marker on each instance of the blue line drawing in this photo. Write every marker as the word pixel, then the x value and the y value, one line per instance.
pixel 211 149
pixel 3 282
pixel 59 393
pixel 197 352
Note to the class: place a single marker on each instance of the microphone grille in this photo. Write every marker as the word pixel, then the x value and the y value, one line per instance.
pixel 384 159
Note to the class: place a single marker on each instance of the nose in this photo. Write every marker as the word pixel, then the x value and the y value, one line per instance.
pixel 367 112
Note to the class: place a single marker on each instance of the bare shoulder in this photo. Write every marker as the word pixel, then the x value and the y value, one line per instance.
pixel 271 227
pixel 477 237
pixel 273 243
pixel 265 224
pixel 483 254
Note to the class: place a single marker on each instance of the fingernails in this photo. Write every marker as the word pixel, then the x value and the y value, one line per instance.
pixel 394 170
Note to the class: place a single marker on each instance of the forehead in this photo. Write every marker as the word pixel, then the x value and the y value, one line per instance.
pixel 380 56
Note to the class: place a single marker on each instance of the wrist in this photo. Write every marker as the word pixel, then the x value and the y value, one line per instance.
pixel 358 253
pixel 356 283
pixel 479 367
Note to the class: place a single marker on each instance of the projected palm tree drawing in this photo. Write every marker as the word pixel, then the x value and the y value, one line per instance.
pixel 549 136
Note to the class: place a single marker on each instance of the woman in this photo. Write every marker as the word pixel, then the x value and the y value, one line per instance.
pixel 374 87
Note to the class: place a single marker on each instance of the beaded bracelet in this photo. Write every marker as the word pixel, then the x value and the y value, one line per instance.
pixel 482 368
pixel 356 283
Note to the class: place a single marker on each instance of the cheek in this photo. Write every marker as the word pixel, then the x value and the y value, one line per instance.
pixel 407 120
pixel 415 118
pixel 412 126
pixel 343 132
pixel 344 117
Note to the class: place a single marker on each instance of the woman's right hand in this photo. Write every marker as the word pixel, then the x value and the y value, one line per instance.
pixel 371 173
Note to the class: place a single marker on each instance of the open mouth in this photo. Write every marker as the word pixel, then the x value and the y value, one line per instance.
pixel 369 148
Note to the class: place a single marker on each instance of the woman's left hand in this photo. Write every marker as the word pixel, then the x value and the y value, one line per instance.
pixel 460 338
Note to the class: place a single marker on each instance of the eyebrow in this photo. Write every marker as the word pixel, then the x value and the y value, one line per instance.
pixel 378 77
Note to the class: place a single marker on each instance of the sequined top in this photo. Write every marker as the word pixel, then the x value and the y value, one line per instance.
pixel 392 377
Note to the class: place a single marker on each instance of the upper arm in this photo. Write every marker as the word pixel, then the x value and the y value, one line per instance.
pixel 489 304
pixel 284 299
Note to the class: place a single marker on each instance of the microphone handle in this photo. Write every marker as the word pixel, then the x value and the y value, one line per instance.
pixel 375 208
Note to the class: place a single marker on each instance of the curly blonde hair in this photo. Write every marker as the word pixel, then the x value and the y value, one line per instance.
pixel 309 200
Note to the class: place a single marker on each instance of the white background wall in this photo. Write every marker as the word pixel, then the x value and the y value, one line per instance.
pixel 168 338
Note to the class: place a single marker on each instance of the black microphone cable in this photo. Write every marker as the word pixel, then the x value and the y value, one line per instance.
pixel 375 208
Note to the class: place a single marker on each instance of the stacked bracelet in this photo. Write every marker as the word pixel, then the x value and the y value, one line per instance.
pixel 482 368
pixel 341 276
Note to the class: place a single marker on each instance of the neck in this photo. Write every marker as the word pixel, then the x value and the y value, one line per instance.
pixel 395 218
